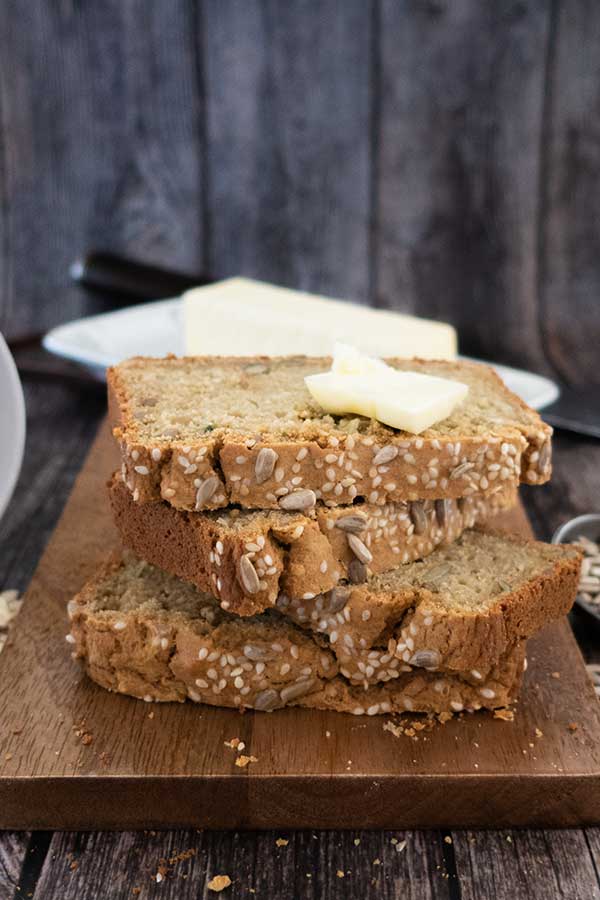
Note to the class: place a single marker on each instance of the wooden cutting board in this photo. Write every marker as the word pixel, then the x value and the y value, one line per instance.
pixel 73 756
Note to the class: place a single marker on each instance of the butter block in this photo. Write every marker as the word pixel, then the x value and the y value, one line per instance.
pixel 243 317
pixel 408 401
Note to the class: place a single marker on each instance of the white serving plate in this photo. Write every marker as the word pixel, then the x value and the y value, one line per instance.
pixel 12 425
pixel 156 328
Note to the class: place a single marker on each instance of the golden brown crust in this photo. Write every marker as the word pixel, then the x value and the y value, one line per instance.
pixel 263 663
pixel 328 466
pixel 294 553
pixel 416 625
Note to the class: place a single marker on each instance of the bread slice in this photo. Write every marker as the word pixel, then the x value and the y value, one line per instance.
pixel 247 558
pixel 459 610
pixel 202 433
pixel 142 632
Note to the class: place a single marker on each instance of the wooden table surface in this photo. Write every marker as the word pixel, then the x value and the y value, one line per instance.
pixel 62 419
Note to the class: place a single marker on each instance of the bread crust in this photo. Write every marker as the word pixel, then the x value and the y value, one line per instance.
pixel 327 465
pixel 293 553
pixel 405 632
pixel 264 663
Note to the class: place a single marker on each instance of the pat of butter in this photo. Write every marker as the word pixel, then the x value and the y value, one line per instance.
pixel 242 317
pixel 408 401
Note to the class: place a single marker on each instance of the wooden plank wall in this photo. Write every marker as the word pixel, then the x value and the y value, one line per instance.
pixel 440 156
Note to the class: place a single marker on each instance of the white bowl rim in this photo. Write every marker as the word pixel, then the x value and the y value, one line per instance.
pixel 17 403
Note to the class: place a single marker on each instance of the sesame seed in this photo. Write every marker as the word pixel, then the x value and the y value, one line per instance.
pixel 69 639
pixel 142 470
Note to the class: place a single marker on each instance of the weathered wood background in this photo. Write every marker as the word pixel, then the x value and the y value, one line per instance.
pixel 441 156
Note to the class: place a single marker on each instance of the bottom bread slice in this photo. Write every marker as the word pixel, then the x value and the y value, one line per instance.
pixel 142 632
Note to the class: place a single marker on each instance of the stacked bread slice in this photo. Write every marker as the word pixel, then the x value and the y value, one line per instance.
pixel 277 555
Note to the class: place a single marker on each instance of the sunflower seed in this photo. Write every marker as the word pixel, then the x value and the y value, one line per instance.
pixel 206 490
pixel 354 524
pixel 432 582
pixel 298 500
pixel 248 576
pixel 265 464
pixel 461 470
pixel 357 572
pixel 338 598
pixel 545 454
pixel 442 509
pixel 266 700
pixel 418 517
pixel 360 550
pixel 385 455
pixel 426 659
pixel 299 689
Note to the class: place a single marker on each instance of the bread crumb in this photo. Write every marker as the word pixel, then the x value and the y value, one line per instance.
pixel 356 842
pixel 400 846
pixel 377 862
pixel 507 715
pixel 242 760
pixel 74 866
pixel 219 883
pixel 87 739
pixel 8 756
pixel 235 744
pixel 539 733
pixel 136 891
pixel 509 839
pixel 281 842
pixel 447 839
pixel 340 874
pixel 572 726
pixel 556 674
pixel 151 714
pixel 327 734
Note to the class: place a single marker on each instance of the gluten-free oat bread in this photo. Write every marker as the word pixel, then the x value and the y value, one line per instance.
pixel 203 433
pixel 144 633
pixel 247 558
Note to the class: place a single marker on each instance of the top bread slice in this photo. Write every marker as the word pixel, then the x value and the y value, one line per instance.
pixel 206 432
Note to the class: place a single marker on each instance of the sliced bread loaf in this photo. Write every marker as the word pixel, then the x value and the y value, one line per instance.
pixel 247 558
pixel 142 632
pixel 205 432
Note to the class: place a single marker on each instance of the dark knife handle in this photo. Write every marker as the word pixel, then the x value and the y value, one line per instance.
pixel 126 278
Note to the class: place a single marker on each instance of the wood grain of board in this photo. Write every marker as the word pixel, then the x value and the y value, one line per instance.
pixel 173 769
